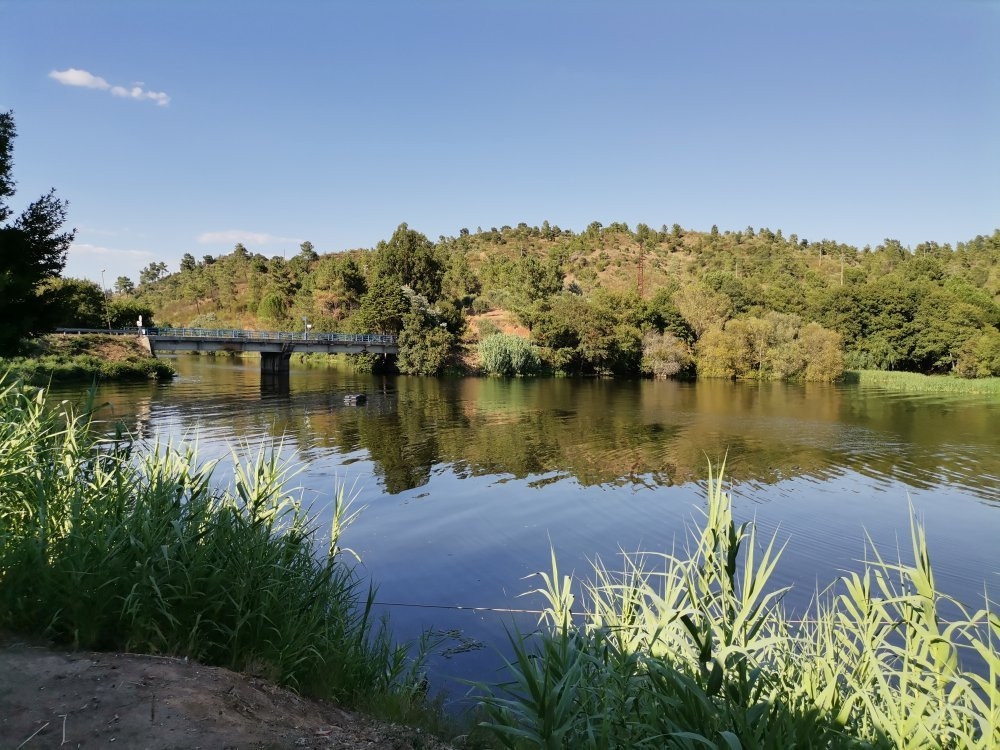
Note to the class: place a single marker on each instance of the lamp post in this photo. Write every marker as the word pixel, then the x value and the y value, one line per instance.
pixel 306 326
pixel 104 293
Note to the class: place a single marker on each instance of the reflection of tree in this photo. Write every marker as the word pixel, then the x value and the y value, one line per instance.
pixel 596 431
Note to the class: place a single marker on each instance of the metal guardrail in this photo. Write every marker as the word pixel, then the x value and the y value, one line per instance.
pixel 112 331
pixel 236 334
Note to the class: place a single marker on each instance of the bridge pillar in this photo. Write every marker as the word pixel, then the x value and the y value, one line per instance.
pixel 274 362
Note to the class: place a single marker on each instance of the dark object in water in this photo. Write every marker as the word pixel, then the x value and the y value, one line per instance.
pixel 355 398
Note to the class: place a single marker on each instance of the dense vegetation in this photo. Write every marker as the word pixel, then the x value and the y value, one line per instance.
pixel 56 358
pixel 696 650
pixel 32 251
pixel 109 545
pixel 617 301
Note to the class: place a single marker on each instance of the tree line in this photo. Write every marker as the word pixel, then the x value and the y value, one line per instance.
pixel 618 301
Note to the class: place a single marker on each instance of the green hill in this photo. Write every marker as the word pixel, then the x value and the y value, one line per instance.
pixel 617 300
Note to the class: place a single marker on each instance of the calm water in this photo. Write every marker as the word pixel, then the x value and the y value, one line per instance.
pixel 467 481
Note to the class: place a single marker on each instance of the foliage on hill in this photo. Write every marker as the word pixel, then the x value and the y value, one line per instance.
pixel 789 307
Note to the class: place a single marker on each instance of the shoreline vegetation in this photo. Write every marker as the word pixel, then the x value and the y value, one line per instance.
pixel 110 545
pixel 84 358
pixel 696 650
pixel 614 301
pixel 915 382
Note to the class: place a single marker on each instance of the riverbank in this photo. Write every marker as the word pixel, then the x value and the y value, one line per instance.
pixel 60 358
pixel 108 546
pixel 914 382
pixel 80 699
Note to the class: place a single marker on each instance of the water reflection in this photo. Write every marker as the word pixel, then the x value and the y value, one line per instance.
pixel 469 481
pixel 596 432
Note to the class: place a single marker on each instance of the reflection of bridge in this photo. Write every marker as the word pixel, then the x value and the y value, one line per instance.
pixel 275 347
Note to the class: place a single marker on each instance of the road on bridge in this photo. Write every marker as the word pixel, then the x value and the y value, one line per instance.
pixel 275 347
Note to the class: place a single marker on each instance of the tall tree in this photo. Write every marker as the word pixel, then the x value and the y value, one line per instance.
pixel 32 249
pixel 124 285
pixel 153 272
pixel 410 258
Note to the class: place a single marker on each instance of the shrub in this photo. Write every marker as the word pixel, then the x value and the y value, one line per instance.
pixel 823 352
pixel 425 347
pixel 486 328
pixel 664 355
pixel 507 355
pixel 979 356
pixel 775 346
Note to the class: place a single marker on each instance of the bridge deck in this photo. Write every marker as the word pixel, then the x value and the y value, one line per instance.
pixel 275 347
pixel 235 335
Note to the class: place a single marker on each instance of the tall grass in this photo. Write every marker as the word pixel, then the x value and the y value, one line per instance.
pixel 696 650
pixel 105 545
pixel 916 382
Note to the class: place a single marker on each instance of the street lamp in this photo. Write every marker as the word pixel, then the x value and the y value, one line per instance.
pixel 104 293
pixel 307 325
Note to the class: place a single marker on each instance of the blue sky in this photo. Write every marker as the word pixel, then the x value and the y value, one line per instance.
pixel 205 123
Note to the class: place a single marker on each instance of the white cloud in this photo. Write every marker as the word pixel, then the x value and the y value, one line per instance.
pixel 75 77
pixel 83 248
pixel 84 79
pixel 232 236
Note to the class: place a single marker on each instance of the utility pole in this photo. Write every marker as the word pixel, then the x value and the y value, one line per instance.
pixel 104 293
pixel 642 268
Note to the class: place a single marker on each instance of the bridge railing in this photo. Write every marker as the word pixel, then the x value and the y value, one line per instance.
pixel 237 334
pixel 106 331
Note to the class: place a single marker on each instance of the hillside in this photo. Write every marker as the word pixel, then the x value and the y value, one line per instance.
pixel 734 304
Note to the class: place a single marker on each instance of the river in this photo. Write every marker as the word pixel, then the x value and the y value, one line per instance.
pixel 468 481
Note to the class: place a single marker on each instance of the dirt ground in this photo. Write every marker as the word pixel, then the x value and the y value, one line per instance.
pixel 53 699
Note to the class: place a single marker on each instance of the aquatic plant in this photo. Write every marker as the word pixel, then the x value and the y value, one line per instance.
pixel 915 381
pixel 507 355
pixel 696 650
pixel 105 544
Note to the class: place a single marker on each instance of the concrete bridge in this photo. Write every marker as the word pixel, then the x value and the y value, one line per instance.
pixel 275 347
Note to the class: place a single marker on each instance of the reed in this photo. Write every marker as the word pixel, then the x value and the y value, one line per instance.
pixel 916 382
pixel 696 650
pixel 109 545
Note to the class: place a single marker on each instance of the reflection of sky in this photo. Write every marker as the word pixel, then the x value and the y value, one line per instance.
pixel 481 485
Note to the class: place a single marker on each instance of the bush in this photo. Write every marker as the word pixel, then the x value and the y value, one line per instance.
pixel 125 313
pixel 979 356
pixel 487 328
pixel 65 359
pixel 508 355
pixel 425 346
pixel 664 355
pixel 775 346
